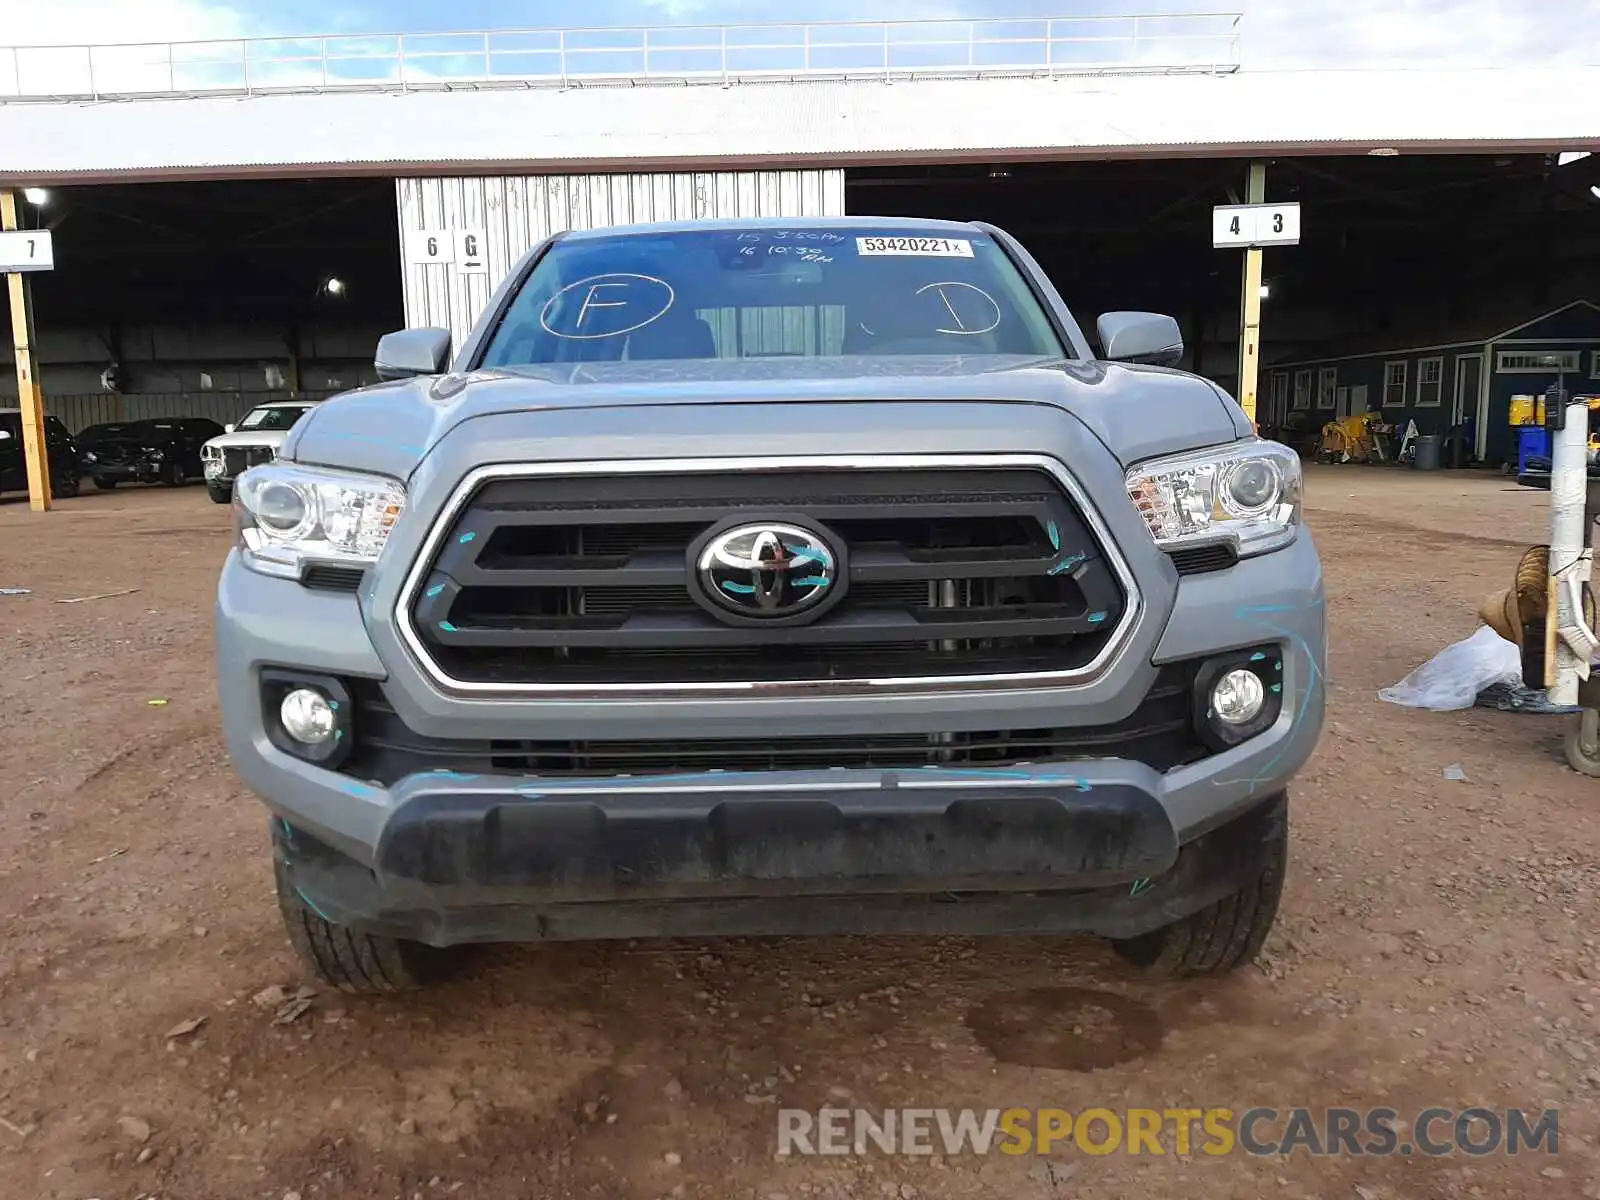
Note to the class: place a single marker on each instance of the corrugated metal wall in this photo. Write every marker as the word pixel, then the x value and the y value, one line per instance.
pixel 515 213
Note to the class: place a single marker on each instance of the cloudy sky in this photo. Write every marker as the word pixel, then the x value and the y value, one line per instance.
pixel 1277 33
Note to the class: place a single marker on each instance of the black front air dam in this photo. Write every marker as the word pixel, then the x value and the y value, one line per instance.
pixel 455 868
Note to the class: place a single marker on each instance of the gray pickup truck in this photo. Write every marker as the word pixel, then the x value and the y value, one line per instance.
pixel 774 577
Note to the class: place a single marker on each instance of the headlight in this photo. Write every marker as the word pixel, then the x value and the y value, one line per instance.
pixel 209 451
pixel 90 456
pixel 1247 493
pixel 288 515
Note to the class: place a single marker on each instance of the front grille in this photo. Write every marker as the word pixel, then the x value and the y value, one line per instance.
pixel 236 460
pixel 112 454
pixel 1159 734
pixel 568 581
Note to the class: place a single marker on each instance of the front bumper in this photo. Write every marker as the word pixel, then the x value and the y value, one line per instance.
pixel 468 867
pixel 140 471
pixel 445 842
pixel 445 856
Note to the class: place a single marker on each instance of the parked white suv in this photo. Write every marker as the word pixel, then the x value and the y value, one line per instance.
pixel 253 441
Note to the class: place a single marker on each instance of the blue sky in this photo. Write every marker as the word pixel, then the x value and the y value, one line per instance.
pixel 1277 33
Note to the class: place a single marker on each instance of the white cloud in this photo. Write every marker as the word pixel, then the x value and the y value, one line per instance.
pixel 1347 33
pixel 113 22
pixel 1276 33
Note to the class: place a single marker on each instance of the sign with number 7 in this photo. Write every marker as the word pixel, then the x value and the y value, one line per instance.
pixel 26 250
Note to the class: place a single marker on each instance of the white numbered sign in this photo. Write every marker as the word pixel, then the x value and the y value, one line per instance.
pixel 27 250
pixel 431 246
pixel 1255 225
pixel 472 255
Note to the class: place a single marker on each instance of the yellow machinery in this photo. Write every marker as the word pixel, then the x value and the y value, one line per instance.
pixel 1352 439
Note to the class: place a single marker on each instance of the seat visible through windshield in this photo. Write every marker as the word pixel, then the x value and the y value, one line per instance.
pixel 771 293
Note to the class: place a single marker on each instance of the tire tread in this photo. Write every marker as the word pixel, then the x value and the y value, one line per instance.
pixel 345 958
pixel 1222 936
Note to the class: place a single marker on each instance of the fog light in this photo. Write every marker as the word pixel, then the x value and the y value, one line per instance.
pixel 307 717
pixel 1237 697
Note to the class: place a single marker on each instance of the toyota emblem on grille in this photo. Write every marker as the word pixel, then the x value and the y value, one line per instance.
pixel 768 570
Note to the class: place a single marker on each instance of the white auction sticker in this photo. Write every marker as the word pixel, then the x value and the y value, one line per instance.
pixel 920 247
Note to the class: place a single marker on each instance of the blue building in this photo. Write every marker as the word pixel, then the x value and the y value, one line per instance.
pixel 1460 376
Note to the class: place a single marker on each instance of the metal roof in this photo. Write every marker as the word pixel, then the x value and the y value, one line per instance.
pixel 799 122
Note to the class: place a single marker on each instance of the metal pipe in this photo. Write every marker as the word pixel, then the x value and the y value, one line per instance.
pixel 1568 640
pixel 1018 52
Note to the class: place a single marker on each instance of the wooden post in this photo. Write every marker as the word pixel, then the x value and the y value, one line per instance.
pixel 1250 303
pixel 29 395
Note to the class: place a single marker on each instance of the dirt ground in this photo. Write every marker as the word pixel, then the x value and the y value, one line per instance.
pixel 1438 945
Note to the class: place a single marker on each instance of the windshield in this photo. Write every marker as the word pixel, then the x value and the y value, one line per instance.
pixel 154 428
pixel 771 293
pixel 97 433
pixel 272 416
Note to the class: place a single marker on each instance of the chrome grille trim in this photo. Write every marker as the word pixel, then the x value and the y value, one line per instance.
pixel 446 516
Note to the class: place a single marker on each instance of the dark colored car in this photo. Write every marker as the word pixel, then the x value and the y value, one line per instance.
pixel 162 450
pixel 62 449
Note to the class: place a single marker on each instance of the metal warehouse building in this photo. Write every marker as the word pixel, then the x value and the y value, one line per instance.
pixel 202 196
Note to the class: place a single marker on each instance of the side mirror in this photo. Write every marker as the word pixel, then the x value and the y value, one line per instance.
pixel 228 428
pixel 1140 337
pixel 413 352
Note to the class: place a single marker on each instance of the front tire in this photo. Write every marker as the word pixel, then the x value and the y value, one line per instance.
pixel 67 487
pixel 1221 937
pixel 219 493
pixel 173 474
pixel 347 959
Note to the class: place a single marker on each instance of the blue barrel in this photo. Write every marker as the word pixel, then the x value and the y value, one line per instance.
pixel 1533 441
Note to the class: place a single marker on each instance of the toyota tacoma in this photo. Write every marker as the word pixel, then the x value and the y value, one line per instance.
pixel 774 577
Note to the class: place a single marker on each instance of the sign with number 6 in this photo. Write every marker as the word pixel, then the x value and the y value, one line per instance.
pixel 430 246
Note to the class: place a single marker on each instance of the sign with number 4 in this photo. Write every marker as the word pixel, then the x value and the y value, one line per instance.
pixel 1255 225
pixel 430 246
pixel 27 250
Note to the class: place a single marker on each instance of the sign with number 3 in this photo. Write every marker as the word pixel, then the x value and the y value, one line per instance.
pixel 1255 225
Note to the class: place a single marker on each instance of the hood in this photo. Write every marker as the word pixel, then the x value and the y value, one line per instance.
pixel 124 442
pixel 253 437
pixel 1137 412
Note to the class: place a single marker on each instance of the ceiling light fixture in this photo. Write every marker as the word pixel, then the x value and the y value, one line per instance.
pixel 38 197
pixel 1567 157
pixel 1383 152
